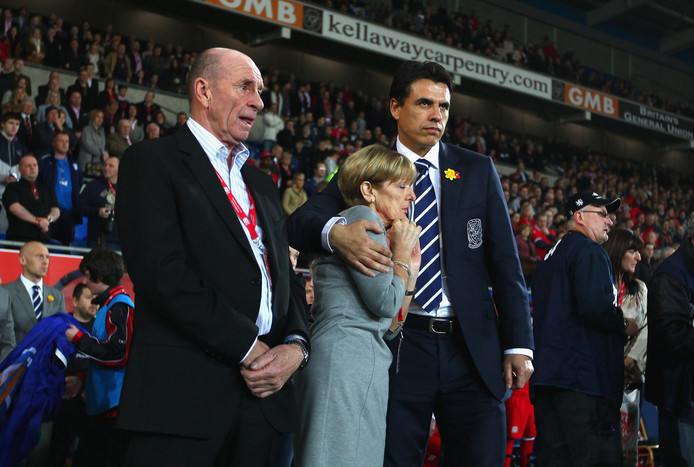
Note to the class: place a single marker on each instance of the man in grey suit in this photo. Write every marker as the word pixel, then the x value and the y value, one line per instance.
pixel 30 298
pixel 7 342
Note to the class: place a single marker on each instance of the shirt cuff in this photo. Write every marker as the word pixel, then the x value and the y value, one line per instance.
pixel 325 233
pixel 527 352
pixel 292 337
pixel 249 351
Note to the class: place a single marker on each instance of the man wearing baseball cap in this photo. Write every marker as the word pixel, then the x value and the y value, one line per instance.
pixel 579 341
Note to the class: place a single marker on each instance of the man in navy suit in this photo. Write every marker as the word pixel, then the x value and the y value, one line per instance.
pixel 670 382
pixel 463 348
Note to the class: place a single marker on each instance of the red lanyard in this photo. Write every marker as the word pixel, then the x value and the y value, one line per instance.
pixel 113 192
pixel 621 295
pixel 249 221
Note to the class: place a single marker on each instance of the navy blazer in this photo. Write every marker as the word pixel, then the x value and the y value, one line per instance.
pixel 670 381
pixel 479 251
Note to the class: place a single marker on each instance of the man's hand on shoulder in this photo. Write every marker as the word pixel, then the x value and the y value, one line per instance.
pixel 517 370
pixel 353 244
pixel 267 374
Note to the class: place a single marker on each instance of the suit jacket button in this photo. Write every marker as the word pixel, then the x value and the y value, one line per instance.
pixel 256 281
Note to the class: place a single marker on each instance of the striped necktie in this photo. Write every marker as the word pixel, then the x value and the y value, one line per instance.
pixel 429 285
pixel 37 300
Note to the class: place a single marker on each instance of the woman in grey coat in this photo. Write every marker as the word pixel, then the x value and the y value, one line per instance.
pixel 343 393
pixel 93 142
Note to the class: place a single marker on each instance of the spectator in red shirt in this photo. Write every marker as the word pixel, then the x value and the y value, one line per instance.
pixel 527 252
pixel 543 237
pixel 651 226
pixel 339 130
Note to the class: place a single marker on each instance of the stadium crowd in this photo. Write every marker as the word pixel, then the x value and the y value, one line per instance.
pixel 464 30
pixel 315 122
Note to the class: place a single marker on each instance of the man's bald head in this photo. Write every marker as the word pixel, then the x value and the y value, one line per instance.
pixel 30 247
pixel 209 66
pixel 224 98
pixel 34 258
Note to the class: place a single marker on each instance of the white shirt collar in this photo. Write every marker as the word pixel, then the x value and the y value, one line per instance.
pixel 432 156
pixel 215 149
pixel 30 285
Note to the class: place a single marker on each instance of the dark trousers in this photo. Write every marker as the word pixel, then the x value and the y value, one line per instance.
pixel 676 436
pixel 576 429
pixel 100 443
pixel 250 442
pixel 437 375
pixel 65 429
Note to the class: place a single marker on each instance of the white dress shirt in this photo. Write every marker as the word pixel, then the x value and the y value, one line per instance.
pixel 218 154
pixel 30 286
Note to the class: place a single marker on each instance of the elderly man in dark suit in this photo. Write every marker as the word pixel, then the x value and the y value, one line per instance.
pixel 31 299
pixel 461 348
pixel 220 322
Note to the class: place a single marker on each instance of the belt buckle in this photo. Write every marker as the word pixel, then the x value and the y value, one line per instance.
pixel 432 321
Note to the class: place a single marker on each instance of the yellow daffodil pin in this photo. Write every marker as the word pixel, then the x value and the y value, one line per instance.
pixel 451 174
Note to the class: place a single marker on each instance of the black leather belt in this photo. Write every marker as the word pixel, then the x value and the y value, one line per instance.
pixel 433 325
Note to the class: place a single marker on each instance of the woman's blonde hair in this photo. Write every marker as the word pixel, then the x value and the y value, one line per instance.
pixel 375 164
pixel 93 113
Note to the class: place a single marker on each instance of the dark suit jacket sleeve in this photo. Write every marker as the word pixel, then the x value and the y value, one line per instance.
pixel 506 276
pixel 297 316
pixel 155 251
pixel 669 320
pixel 304 226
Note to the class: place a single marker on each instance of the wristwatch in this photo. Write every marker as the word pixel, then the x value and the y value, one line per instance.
pixel 304 350
pixel 626 324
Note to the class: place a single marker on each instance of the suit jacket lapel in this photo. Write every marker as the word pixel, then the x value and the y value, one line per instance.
pixel 48 304
pixel 265 219
pixel 271 219
pixel 451 190
pixel 201 167
pixel 24 300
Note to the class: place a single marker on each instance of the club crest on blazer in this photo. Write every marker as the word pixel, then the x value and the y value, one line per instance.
pixel 474 233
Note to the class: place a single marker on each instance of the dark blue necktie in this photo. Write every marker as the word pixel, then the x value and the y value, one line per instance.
pixel 429 285
pixel 37 300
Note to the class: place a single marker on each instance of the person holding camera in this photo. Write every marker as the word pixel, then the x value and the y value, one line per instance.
pixel 96 202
